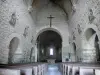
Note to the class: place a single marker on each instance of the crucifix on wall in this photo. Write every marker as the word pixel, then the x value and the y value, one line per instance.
pixel 50 17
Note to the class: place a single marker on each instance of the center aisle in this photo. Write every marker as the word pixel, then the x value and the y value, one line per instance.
pixel 53 69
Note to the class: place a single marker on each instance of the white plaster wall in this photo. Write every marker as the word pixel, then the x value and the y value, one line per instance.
pixel 23 19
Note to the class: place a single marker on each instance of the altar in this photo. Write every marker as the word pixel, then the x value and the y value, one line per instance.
pixel 51 60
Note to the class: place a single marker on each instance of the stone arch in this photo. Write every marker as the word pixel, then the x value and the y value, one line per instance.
pixel 45 29
pixel 91 26
pixel 48 30
pixel 89 45
pixel 89 32
pixel 13 44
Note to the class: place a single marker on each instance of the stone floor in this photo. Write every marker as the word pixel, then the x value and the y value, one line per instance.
pixel 53 69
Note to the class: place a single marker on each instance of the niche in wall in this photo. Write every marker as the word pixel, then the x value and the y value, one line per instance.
pixel 89 33
pixel 91 51
pixel 14 43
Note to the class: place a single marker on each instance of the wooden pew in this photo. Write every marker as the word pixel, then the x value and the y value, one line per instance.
pixel 97 71
pixel 44 69
pixel 86 71
pixel 9 72
pixel 35 70
pixel 29 69
pixel 75 70
pixel 66 69
pixel 63 69
pixel 26 71
pixel 77 67
pixel 69 70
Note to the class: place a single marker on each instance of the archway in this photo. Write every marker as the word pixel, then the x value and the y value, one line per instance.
pixel 97 48
pixel 49 45
pixel 89 32
pixel 91 51
pixel 12 49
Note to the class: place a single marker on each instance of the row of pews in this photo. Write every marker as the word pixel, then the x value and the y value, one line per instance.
pixel 24 69
pixel 80 68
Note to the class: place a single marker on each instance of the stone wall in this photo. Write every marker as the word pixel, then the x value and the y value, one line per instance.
pixel 86 15
pixel 19 19
pixel 59 22
pixel 15 21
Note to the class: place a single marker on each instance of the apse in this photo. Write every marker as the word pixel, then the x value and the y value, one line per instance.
pixel 49 45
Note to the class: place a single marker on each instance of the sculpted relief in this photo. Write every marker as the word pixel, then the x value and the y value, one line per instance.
pixel 91 16
pixel 13 20
pixel 26 31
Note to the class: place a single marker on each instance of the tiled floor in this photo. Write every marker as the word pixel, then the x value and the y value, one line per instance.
pixel 53 70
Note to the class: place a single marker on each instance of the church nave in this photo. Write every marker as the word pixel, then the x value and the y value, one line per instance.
pixel 49 37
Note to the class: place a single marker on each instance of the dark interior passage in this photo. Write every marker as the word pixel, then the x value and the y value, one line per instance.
pixel 49 44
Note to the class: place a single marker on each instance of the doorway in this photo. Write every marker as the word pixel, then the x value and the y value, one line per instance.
pixel 49 45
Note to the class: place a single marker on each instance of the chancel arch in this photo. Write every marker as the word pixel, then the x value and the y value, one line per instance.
pixel 41 30
pixel 49 45
pixel 90 45
pixel 13 46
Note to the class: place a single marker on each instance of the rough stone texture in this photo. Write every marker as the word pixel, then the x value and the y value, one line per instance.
pixel 86 19
pixel 59 23
pixel 88 55
pixel 17 15
pixel 7 32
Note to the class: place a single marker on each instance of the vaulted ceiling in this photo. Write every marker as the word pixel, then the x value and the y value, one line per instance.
pixel 65 5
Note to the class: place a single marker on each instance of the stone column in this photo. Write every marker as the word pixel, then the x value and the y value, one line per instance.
pixel 36 53
pixel 88 55
pixel 14 18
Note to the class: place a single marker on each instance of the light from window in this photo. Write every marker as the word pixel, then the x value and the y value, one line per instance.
pixel 51 51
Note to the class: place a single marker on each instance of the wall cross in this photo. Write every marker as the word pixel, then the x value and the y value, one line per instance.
pixel 50 17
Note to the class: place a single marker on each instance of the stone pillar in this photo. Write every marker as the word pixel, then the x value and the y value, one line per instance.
pixel 88 55
pixel 14 18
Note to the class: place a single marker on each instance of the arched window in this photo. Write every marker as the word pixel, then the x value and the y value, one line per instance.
pixel 51 51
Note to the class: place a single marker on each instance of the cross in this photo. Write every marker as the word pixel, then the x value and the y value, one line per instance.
pixel 51 17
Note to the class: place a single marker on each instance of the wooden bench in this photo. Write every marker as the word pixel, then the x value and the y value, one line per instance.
pixel 9 72
pixel 81 68
pixel 28 69
pixel 70 67
pixel 86 71
pixel 97 71
pixel 75 70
